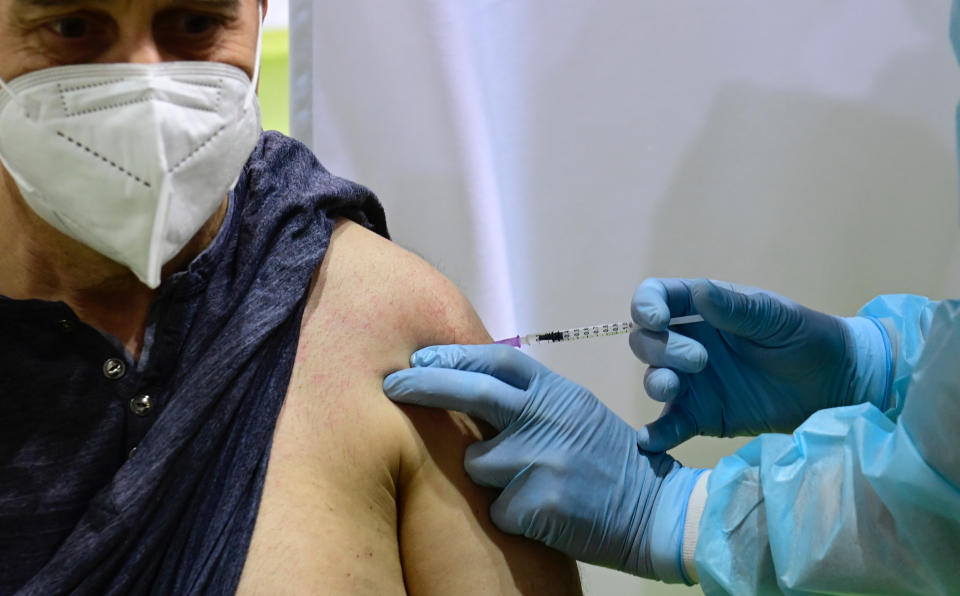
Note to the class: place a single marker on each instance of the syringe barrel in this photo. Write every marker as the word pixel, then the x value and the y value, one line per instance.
pixel 590 331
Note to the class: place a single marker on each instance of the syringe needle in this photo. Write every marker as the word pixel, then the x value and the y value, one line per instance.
pixel 591 331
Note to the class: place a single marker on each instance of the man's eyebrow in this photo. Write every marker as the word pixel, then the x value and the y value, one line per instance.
pixel 229 5
pixel 55 3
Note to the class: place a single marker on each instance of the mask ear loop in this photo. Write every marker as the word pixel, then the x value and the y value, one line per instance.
pixel 256 69
pixel 12 95
pixel 24 105
pixel 8 89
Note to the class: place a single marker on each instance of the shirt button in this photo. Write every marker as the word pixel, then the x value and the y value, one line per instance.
pixel 141 404
pixel 132 451
pixel 114 368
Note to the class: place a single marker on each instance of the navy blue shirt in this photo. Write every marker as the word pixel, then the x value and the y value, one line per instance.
pixel 123 477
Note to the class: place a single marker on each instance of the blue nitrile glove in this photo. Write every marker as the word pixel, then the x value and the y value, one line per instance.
pixel 572 474
pixel 758 363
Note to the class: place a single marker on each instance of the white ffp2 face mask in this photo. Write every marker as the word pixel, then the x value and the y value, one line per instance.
pixel 129 159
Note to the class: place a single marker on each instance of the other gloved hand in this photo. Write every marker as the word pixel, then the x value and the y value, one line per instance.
pixel 758 363
pixel 572 474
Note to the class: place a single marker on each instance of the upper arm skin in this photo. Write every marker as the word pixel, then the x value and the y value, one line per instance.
pixel 395 303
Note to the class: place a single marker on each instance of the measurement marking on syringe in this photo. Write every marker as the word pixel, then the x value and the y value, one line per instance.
pixel 591 331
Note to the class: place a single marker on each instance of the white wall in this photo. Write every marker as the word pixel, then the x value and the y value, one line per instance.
pixel 549 154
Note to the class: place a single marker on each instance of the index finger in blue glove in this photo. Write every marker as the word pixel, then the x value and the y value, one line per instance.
pixel 476 394
pixel 501 362
pixel 657 300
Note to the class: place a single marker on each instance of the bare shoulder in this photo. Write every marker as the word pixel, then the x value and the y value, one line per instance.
pixel 379 289
pixel 381 303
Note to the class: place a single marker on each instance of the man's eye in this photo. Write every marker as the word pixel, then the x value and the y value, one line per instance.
pixel 197 24
pixel 72 28
pixel 182 31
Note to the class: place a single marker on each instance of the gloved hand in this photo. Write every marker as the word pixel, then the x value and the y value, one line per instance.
pixel 758 363
pixel 572 474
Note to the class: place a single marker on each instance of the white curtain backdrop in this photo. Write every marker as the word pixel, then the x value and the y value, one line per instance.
pixel 547 155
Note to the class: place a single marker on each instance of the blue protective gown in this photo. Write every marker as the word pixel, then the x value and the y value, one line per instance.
pixel 857 500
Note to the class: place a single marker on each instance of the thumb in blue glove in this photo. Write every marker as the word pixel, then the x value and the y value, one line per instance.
pixel 758 363
pixel 571 472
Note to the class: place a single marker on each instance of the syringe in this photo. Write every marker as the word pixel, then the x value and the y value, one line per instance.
pixel 587 332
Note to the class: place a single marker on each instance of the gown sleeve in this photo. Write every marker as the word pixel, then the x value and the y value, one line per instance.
pixel 857 500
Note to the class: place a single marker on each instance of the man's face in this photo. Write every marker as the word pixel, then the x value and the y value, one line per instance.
pixel 38 34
